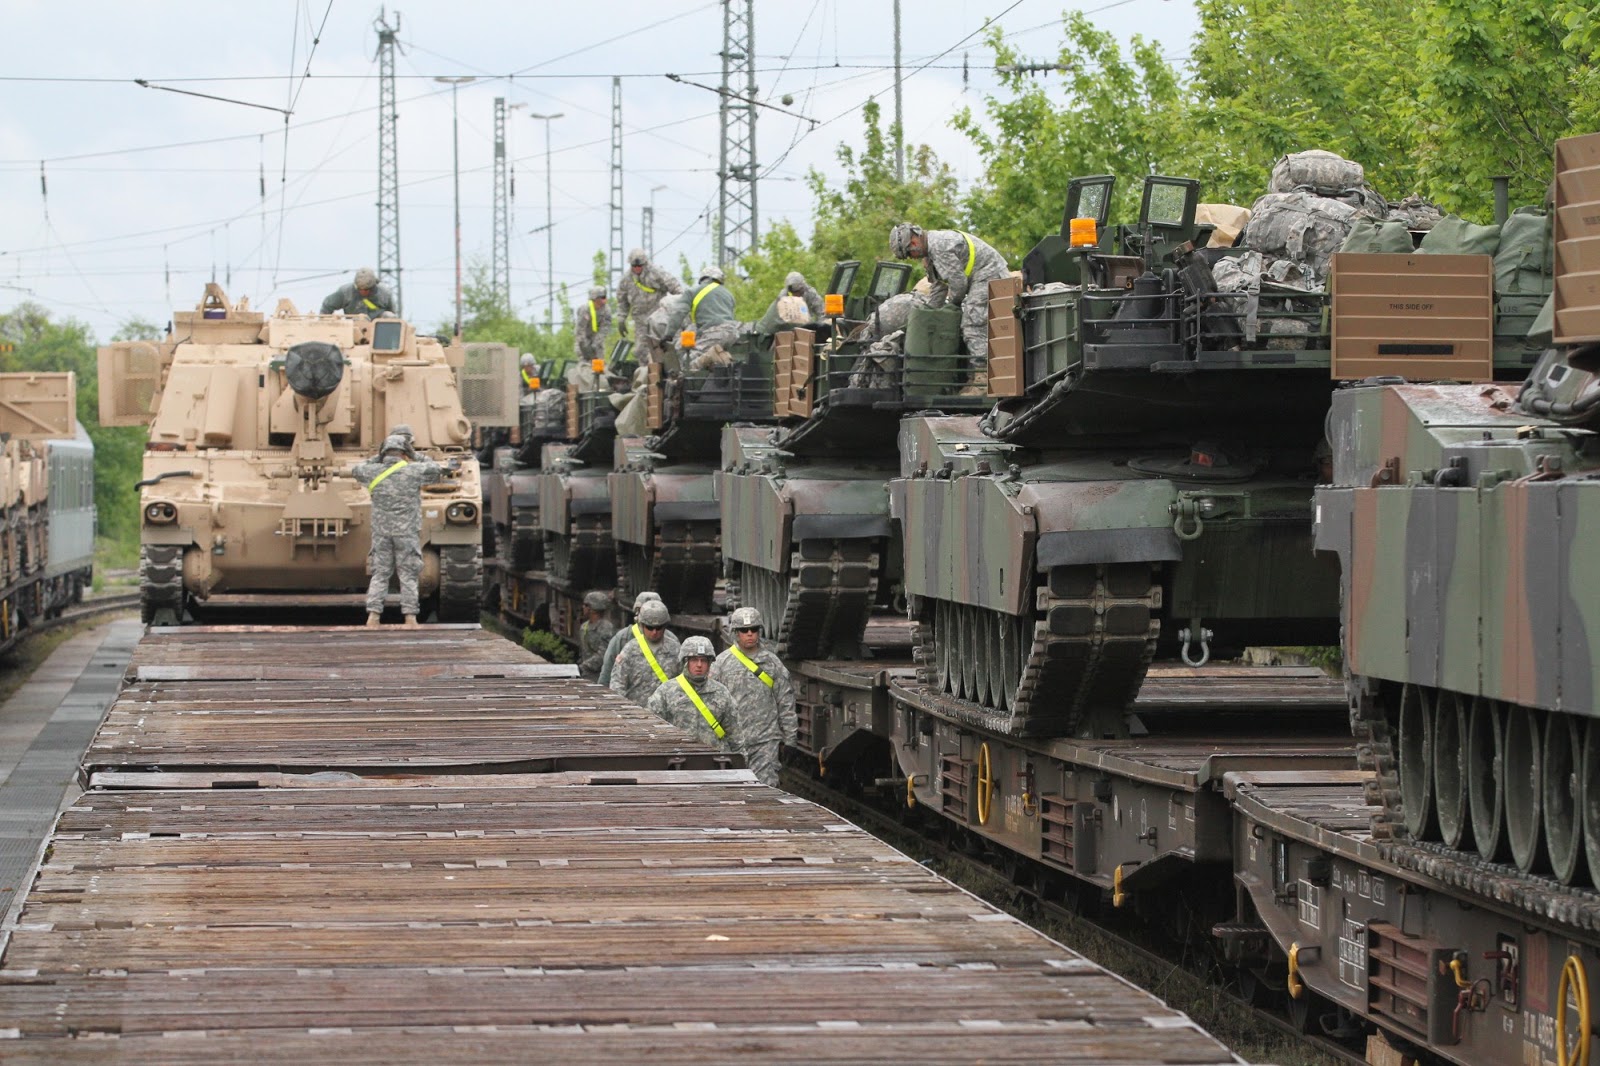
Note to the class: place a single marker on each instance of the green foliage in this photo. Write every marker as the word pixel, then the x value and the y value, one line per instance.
pixel 1126 115
pixel 759 279
pixel 544 643
pixel 43 344
pixel 486 317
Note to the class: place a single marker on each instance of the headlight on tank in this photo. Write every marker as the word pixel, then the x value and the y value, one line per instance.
pixel 461 513
pixel 160 513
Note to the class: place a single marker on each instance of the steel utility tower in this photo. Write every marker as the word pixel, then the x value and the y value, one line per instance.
pixel 615 263
pixel 500 256
pixel 388 265
pixel 736 184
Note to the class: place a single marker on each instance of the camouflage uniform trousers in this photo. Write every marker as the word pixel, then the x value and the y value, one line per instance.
pixel 671 704
pixel 634 678
pixel 593 638
pixel 763 716
pixel 390 555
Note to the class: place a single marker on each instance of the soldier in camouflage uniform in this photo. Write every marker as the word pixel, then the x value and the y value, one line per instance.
pixel 960 266
pixel 395 483
pixel 795 285
pixel 363 296
pixel 694 701
pixel 594 635
pixel 614 648
pixel 648 657
pixel 711 313
pixel 641 291
pixel 405 433
pixel 658 336
pixel 590 323
pixel 530 373
pixel 763 696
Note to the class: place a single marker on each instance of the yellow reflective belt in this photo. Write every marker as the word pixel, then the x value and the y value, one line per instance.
pixel 369 303
pixel 705 712
pixel 972 254
pixel 752 666
pixel 529 380
pixel 594 319
pixel 642 285
pixel 649 656
pixel 701 295
pixel 379 479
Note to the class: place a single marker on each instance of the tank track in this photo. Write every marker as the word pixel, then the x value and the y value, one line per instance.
pixel 1375 751
pixel 1093 639
pixel 525 546
pixel 161 584
pixel 586 559
pixel 460 582
pixel 682 566
pixel 826 598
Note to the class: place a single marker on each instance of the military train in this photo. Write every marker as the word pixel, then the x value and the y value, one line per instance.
pixel 47 509
pixel 254 422
pixel 1021 613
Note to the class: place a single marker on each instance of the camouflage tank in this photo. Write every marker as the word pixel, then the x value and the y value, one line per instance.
pixel 806 531
pixel 1458 513
pixel 254 422
pixel 664 513
pixel 1142 487
pixel 511 486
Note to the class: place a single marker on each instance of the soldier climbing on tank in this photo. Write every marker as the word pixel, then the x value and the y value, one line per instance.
pixel 794 284
pixel 395 483
pixel 614 648
pixel 530 373
pixel 641 291
pixel 649 657
pixel 591 321
pixel 694 701
pixel 960 267
pixel 594 635
pixel 363 296
pixel 711 316
pixel 763 695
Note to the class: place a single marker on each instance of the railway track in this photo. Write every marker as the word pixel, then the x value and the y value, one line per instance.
pixel 83 612
pixel 1027 903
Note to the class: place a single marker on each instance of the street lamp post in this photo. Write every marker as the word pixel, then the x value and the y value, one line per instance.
pixel 650 240
pixel 549 223
pixel 455 141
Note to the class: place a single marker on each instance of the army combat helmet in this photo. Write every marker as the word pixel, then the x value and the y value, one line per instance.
pixel 654 614
pixel 744 618
pixel 697 648
pixel 596 600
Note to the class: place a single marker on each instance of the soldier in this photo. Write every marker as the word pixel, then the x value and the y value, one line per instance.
pixel 405 433
pixel 594 635
pixel 614 648
pixel 711 311
pixel 659 332
pixel 364 296
pixel 641 291
pixel 530 373
pixel 795 285
pixel 960 266
pixel 591 322
pixel 763 697
pixel 395 483
pixel 693 700
pixel 649 658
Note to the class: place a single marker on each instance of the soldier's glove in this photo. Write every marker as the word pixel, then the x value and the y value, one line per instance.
pixel 622 329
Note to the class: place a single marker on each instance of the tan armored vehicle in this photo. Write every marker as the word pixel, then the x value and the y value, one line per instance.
pixel 255 422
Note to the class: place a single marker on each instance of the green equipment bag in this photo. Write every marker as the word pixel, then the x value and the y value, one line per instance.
pixel 932 345
pixel 1525 260
pixel 1369 236
pixel 1452 235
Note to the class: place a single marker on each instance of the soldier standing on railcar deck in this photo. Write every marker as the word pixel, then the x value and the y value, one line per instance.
pixel 694 701
pixel 395 483
pixel 763 695
pixel 649 658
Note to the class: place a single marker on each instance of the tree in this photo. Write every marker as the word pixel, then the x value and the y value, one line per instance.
pixel 486 317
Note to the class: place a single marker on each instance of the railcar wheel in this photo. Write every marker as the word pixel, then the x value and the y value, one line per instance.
pixel 1524 788
pixel 1485 791
pixel 1416 762
pixel 1563 796
pixel 1450 770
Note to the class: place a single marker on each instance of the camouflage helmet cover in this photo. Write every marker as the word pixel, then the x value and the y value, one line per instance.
pixel 366 278
pixel 644 598
pixel 596 600
pixel 528 361
pixel 654 613
pixel 745 618
pixel 638 258
pixel 794 280
pixel 900 239
pixel 394 443
pixel 697 648
pixel 712 274
pixel 597 292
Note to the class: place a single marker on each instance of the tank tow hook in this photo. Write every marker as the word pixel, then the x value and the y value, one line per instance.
pixel 1193 633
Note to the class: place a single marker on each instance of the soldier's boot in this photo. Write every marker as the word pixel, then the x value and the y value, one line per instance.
pixel 372 620
pixel 411 621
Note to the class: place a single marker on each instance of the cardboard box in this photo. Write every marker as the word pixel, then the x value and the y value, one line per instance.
pixel 1422 317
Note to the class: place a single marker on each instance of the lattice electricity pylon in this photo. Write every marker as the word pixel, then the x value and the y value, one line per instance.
pixel 388 265
pixel 736 172
pixel 500 256
pixel 647 231
pixel 615 261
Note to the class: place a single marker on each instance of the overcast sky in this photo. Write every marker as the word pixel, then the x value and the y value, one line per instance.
pixel 147 192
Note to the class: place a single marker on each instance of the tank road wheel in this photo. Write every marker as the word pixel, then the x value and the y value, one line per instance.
pixel 968 650
pixel 1486 800
pixel 1016 644
pixel 1563 796
pixel 1450 770
pixel 1589 793
pixel 460 582
pixel 991 624
pixel 1524 787
pixel 634 566
pixel 765 591
pixel 161 584
pixel 1416 761
pixel 941 645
